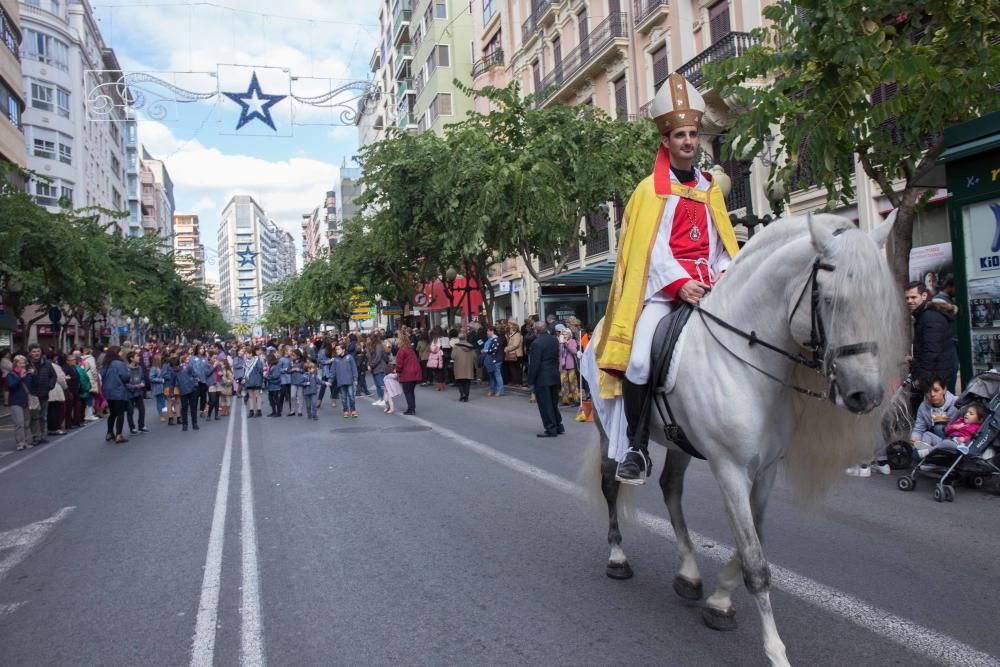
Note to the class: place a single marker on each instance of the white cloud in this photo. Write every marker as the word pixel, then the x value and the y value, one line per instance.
pixel 284 188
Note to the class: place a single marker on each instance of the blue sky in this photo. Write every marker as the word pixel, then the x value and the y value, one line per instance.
pixel 306 47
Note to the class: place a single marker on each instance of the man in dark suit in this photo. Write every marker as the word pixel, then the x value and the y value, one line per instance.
pixel 543 376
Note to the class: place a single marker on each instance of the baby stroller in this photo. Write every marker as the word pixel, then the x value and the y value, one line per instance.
pixel 973 462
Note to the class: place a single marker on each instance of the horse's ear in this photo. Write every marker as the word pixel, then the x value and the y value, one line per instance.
pixel 822 236
pixel 881 233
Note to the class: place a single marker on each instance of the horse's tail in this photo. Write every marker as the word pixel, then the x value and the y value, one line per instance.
pixel 826 440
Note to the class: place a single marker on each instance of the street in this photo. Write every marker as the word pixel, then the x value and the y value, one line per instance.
pixel 453 537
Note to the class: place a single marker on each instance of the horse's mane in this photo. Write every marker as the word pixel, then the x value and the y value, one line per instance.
pixel 826 439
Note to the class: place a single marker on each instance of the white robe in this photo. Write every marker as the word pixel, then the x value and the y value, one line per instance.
pixel 663 270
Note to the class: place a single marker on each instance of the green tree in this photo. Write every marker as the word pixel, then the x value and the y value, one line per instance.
pixel 879 79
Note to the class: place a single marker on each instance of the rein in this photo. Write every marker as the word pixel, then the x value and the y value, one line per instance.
pixel 823 361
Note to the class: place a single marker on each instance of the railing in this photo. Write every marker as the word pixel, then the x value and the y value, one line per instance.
pixel 375 62
pixel 609 29
pixel 404 51
pixel 487 63
pixel 10 37
pixel 531 25
pixel 597 234
pixel 641 9
pixel 739 192
pixel 404 86
pixel 401 21
pixel 644 109
pixel 732 45
pixel 406 120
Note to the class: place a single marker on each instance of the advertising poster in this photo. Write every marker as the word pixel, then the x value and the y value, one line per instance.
pixel 930 263
pixel 982 238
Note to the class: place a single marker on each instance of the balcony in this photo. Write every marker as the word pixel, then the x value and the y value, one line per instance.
pixel 404 87
pixel 598 240
pixel 486 63
pixel 588 53
pixel 645 11
pixel 733 44
pixel 530 27
pixel 401 27
pixel 404 56
pixel 407 122
pixel 375 62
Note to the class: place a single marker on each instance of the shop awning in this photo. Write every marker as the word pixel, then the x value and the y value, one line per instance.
pixel 592 274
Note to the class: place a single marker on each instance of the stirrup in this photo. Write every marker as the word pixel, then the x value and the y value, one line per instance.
pixel 644 471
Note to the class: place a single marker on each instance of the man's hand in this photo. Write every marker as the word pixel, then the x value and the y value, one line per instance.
pixel 692 292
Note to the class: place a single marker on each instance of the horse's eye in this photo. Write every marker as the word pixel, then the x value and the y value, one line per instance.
pixel 828 301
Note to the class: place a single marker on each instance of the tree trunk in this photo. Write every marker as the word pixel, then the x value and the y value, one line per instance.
pixel 901 240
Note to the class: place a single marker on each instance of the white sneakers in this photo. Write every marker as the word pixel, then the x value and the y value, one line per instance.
pixel 379 402
pixel 866 470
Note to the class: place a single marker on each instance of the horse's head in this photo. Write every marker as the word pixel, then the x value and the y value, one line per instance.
pixel 849 312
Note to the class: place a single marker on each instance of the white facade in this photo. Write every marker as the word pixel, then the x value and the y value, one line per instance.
pixel 245 228
pixel 85 159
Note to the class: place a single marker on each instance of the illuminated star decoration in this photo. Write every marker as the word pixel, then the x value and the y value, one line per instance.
pixel 245 301
pixel 247 257
pixel 255 104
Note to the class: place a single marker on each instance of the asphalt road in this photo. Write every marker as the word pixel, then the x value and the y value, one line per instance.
pixel 454 537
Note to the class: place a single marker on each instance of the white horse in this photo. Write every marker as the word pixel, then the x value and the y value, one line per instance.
pixel 815 284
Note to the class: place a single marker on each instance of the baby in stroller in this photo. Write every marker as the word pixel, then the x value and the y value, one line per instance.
pixel 966 448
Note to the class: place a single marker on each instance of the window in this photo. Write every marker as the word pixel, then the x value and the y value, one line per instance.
pixel 621 98
pixel 62 102
pixel 718 20
pixel 116 167
pixel 13 110
pixel 488 11
pixel 440 9
pixel 582 24
pixel 45 148
pixel 46 49
pixel 42 97
pixel 536 75
pixel 65 149
pixel 9 30
pixel 442 55
pixel 67 194
pixel 661 69
pixel 440 106
pixel 46 193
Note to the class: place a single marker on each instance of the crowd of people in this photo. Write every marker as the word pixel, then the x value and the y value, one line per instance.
pixel 50 393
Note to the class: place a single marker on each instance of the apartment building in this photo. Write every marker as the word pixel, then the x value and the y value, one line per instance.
pixel 424 46
pixel 317 228
pixel 63 58
pixel 189 251
pixel 157 197
pixel 11 96
pixel 252 255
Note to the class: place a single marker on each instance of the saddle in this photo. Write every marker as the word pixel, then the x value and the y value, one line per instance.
pixel 668 331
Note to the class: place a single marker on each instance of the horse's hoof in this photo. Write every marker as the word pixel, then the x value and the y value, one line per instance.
pixel 620 570
pixel 718 619
pixel 687 589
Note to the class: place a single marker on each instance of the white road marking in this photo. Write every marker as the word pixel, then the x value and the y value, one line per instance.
pixel 203 642
pixel 911 636
pixel 22 541
pixel 41 449
pixel 251 634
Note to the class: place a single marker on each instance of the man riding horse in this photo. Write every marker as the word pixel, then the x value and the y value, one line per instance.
pixel 677 241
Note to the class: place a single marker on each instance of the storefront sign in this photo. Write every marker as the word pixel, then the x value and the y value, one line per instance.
pixel 44 330
pixel 393 309
pixel 6 340
pixel 502 287
pixel 982 234
pixel 105 331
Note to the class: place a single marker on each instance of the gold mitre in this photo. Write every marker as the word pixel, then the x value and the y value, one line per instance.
pixel 676 104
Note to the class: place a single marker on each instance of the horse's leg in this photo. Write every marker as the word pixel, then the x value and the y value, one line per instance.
pixel 618 567
pixel 687 582
pixel 736 492
pixel 719 613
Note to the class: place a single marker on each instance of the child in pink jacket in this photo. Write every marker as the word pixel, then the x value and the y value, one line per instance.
pixel 962 429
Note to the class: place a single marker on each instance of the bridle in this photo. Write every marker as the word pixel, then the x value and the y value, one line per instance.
pixel 822 359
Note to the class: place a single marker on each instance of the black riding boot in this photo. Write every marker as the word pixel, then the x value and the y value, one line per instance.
pixel 635 467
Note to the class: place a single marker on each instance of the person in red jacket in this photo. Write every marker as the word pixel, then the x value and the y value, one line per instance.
pixel 409 371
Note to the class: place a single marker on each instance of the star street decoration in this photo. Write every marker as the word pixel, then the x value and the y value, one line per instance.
pixel 171 96
pixel 247 257
pixel 255 104
pixel 245 301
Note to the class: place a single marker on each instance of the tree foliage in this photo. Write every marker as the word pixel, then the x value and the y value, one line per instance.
pixel 513 182
pixel 76 259
pixel 879 79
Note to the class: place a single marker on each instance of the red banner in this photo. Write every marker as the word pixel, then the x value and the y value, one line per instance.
pixel 433 296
